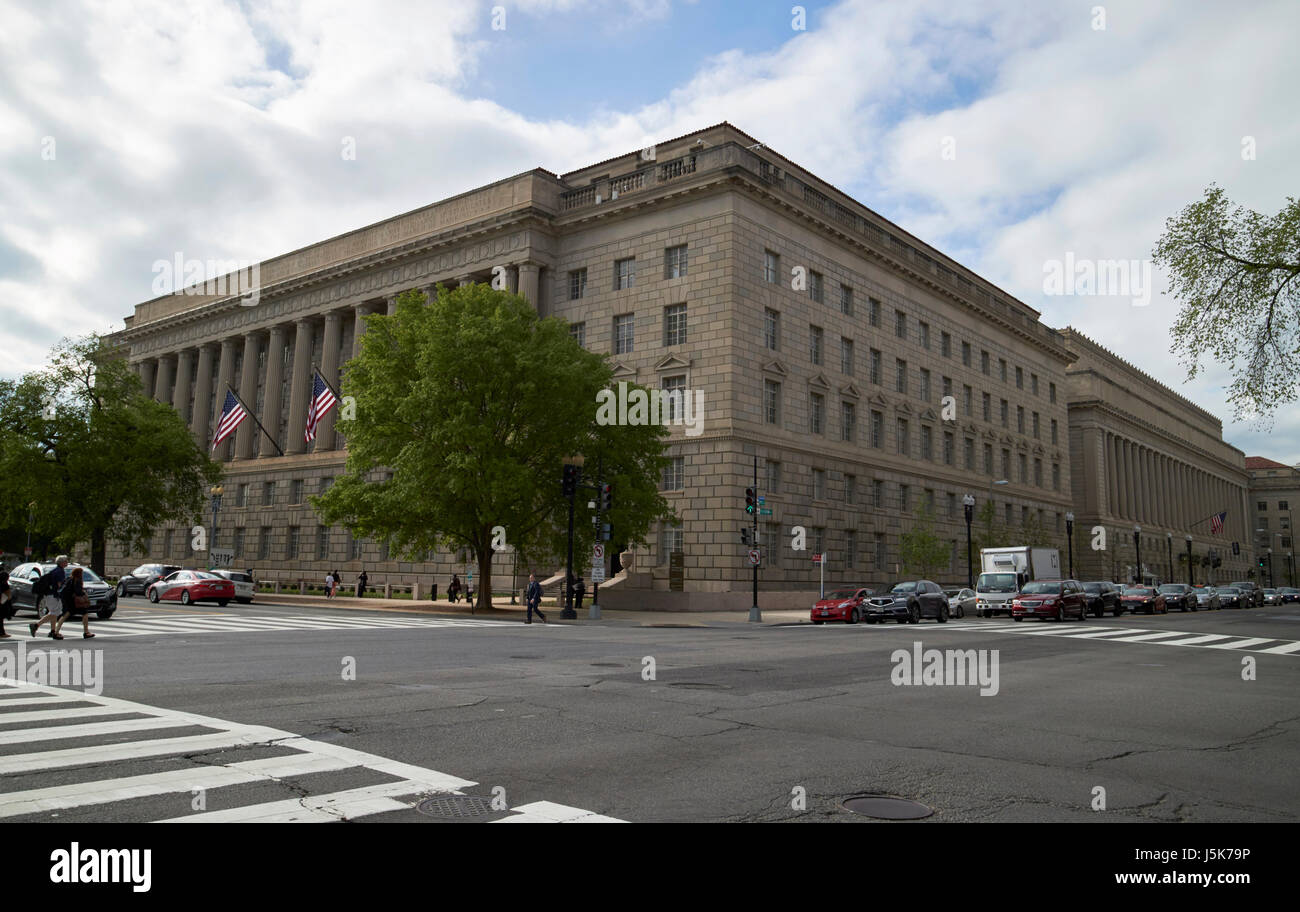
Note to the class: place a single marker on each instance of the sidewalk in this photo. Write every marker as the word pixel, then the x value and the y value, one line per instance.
pixel 502 609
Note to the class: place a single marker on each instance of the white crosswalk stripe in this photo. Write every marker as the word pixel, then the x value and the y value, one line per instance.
pixel 1137 635
pixel 303 757
pixel 234 623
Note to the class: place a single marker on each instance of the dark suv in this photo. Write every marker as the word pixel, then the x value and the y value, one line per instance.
pixel 908 602
pixel 138 581
pixel 1103 597
pixel 103 601
pixel 1256 594
pixel 1179 595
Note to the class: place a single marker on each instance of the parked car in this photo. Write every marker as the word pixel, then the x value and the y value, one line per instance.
pixel 845 605
pixel 908 602
pixel 1232 597
pixel 1103 597
pixel 1050 599
pixel 1146 599
pixel 103 600
pixel 245 588
pixel 1180 596
pixel 189 586
pixel 1289 594
pixel 959 600
pixel 138 581
pixel 1256 593
pixel 1207 597
pixel 1272 597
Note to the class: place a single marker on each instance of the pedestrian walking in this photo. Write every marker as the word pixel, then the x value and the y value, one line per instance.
pixel 579 593
pixel 6 601
pixel 361 584
pixel 329 584
pixel 453 589
pixel 75 602
pixel 46 590
pixel 338 582
pixel 533 599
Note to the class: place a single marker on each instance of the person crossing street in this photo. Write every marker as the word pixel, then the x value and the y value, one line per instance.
pixel 533 599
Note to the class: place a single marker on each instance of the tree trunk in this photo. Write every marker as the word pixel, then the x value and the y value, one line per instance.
pixel 98 550
pixel 483 597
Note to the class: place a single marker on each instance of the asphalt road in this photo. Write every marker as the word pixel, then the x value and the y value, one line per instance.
pixel 735 724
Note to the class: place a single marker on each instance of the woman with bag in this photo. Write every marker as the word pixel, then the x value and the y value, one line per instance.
pixel 75 601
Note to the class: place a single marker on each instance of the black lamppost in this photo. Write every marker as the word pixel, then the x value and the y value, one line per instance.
pixel 1270 568
pixel 216 493
pixel 1169 543
pixel 1069 540
pixel 31 518
pixel 1137 547
pixel 1191 575
pixel 968 502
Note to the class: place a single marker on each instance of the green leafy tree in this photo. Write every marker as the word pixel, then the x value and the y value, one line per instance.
pixel 1032 533
pixel 94 455
pixel 466 409
pixel 1236 273
pixel 921 551
pixel 988 532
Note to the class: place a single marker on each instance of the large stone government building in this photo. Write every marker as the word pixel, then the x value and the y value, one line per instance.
pixel 824 338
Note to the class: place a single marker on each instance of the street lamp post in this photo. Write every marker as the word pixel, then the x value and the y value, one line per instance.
pixel 1270 567
pixel 968 502
pixel 1169 565
pixel 1069 540
pixel 1191 574
pixel 31 518
pixel 216 493
pixel 1137 548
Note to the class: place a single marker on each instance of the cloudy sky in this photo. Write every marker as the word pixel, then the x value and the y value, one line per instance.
pixel 1008 134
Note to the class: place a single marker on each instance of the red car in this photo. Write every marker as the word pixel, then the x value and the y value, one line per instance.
pixel 1146 599
pixel 189 586
pixel 847 605
pixel 1050 599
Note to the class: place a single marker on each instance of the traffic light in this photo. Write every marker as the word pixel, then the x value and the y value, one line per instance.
pixel 569 486
pixel 606 498
pixel 745 538
pixel 751 500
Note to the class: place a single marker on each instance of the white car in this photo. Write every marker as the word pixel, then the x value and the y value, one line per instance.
pixel 244 585
pixel 959 600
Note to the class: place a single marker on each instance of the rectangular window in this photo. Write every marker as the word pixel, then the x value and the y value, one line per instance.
pixel 904 498
pixel 1006 464
pixel 874 307
pixel 966 395
pixel 268 493
pixel 848 421
pixel 846 300
pixel 1056 476
pixel 984 363
pixel 772 473
pixel 675 262
pixel 949 447
pixel 771 402
pixel 819 484
pixel 819 540
pixel 952 505
pixel 815 286
pixel 1282 505
pixel 1004 410
pixel 904 445
pixel 771 329
pixel 878 494
pixel 815 344
pixel 354 547
pixel 900 376
pixel 291 542
pixel 965 354
pixel 264 543
pixel 877 429
pixel 771 267
pixel 875 366
pixel 674 325
pixel 925 335
pixel 816 413
pixel 882 555
pixel 674 474
pixel 675 386
pixel 624 334
pixel 1038 473
pixel 578 333
pixel 947 387
pixel 846 357
pixel 1002 369
pixel 624 273
pixel 1022 463
pixel 945 345
pixel 295 491
pixel 322 543
pixel 1020 419
pixel 670 541
pixel 1020 378
pixel 900 324
pixel 925 385
pixel 1036 427
pixel 927 443
pixel 577 284
pixel 987 401
pixel 326 483
pixel 969 459
pixel 1053 430
pixel 1262 506
pixel 850 549
pixel 988 459
pixel 850 489
pixel 1051 390
pixel 167 542
pixel 1033 384
pixel 1007 514
pixel 241 496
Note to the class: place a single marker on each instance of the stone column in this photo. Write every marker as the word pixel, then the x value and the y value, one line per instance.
pixel 462 281
pixel 301 388
pixel 181 399
pixel 329 369
pixel 274 387
pixel 1130 481
pixel 1153 487
pixel 359 329
pixel 163 387
pixel 225 379
pixel 392 305
pixel 528 283
pixel 248 393
pixel 201 420
pixel 147 368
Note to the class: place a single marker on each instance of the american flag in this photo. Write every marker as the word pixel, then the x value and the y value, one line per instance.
pixel 1216 522
pixel 322 400
pixel 232 413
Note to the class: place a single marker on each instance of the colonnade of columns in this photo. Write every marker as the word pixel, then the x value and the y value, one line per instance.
pixel 1147 486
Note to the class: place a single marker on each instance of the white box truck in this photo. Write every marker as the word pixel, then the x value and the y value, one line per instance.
pixel 1004 571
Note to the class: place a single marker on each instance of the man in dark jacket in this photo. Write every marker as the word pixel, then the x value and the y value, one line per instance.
pixel 579 593
pixel 533 599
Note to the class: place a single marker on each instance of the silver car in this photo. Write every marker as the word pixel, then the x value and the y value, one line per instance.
pixel 1207 597
pixel 245 588
pixel 959 600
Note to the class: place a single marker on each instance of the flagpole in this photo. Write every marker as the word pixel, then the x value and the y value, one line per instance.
pixel 337 394
pixel 254 417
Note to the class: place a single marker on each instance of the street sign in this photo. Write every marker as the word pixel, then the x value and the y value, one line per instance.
pixel 221 557
pixel 816 558
pixel 762 500
pixel 765 512
pixel 27 552
pixel 753 557
pixel 598 552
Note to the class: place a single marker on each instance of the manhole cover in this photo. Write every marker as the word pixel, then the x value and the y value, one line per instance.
pixel 887 807
pixel 456 807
